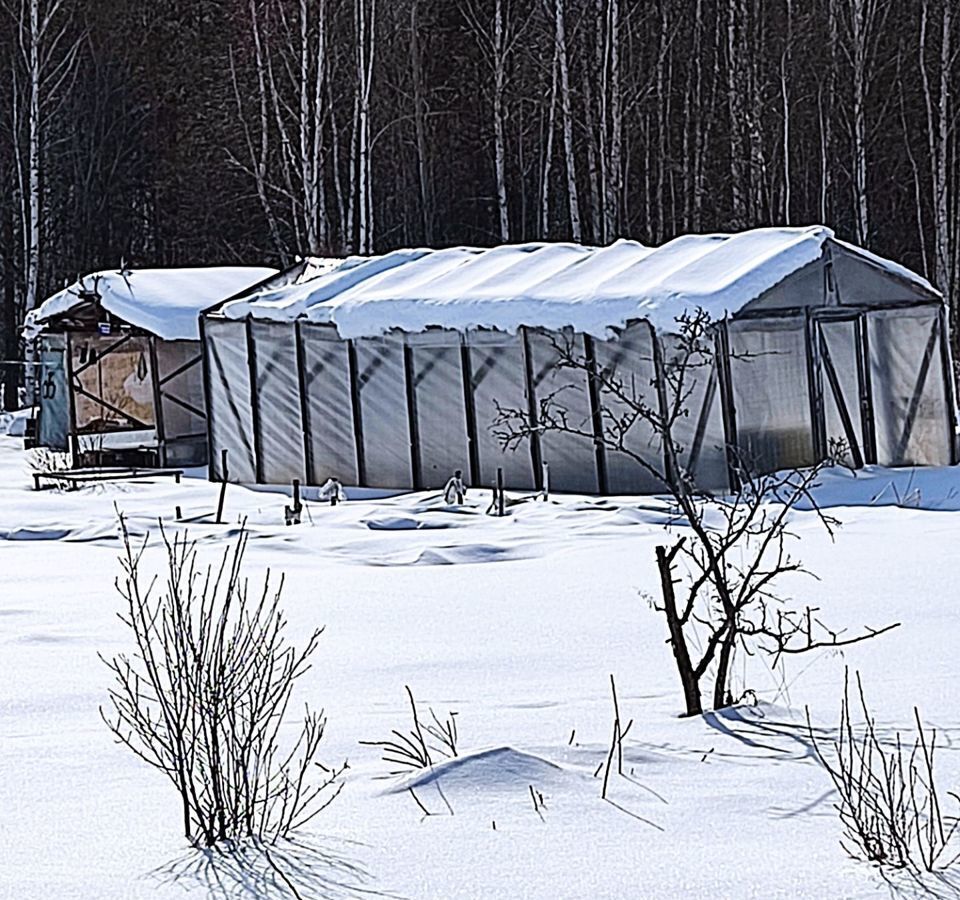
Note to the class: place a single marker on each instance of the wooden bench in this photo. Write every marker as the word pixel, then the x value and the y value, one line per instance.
pixel 81 476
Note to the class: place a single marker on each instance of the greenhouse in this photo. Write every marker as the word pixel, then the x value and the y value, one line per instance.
pixel 389 371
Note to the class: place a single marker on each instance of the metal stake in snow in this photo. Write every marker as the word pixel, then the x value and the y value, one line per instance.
pixel 545 469
pixel 291 514
pixel 223 486
pixel 454 490
pixel 500 501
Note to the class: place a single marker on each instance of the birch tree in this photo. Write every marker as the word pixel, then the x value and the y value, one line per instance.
pixel 939 114
pixel 42 72
pixel 862 24
pixel 566 106
pixel 283 126
pixel 496 36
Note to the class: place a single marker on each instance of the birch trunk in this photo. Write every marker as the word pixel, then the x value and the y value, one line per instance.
pixel 35 76
pixel 499 139
pixel 573 197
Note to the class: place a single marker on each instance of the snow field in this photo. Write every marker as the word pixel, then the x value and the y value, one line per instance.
pixel 515 624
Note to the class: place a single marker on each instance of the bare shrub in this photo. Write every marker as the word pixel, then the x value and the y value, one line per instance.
pixel 43 459
pixel 417 748
pixel 889 803
pixel 204 695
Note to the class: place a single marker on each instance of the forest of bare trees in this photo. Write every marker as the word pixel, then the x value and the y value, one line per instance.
pixel 168 132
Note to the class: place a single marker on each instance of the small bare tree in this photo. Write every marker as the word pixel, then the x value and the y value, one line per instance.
pixel 736 546
pixel 204 695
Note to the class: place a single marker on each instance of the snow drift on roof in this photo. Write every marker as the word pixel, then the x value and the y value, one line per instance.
pixel 551 285
pixel 165 302
pixel 289 301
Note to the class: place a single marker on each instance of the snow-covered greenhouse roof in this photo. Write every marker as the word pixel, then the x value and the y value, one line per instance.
pixel 553 285
pixel 165 302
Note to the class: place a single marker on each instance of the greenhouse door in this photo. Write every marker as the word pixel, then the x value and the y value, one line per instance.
pixel 843 384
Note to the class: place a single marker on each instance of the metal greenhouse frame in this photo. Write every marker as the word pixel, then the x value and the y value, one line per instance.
pixel 841 351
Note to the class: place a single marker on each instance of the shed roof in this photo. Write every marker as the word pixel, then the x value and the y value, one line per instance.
pixel 165 302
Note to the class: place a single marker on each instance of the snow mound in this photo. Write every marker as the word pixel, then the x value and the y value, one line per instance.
pixel 465 554
pixel 401 523
pixel 498 769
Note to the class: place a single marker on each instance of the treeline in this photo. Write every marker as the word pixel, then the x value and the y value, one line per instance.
pixel 201 131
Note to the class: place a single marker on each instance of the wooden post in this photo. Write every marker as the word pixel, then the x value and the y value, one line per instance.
pixel 545 478
pixel 500 500
pixel 179 514
pixel 223 485
pixel 296 495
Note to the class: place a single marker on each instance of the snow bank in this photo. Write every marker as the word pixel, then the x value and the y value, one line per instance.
pixel 165 302
pixel 15 423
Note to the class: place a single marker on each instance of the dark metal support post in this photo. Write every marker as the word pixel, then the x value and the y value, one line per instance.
pixel 596 412
pixel 470 411
pixel 223 485
pixel 357 413
pixel 157 402
pixel 412 424
pixel 254 400
pixel 722 349
pixel 72 441
pixel 663 403
pixel 207 399
pixel 536 452
pixel 818 423
pixel 866 391
pixel 949 393
pixel 306 425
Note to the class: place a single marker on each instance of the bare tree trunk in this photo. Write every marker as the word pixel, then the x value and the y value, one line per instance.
pixel 366 44
pixel 738 171
pixel 865 23
pixel 573 197
pixel 35 76
pixel 548 149
pixel 420 125
pixel 594 190
pixel 785 98
pixel 858 48
pixel 614 167
pixel 499 140
pixel 938 112
pixel 678 641
pixel 825 108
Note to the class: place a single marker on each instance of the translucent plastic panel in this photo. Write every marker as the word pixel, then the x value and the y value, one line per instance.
pixel 571 457
pixel 771 394
pixel 54 419
pixel 628 383
pixel 698 426
pixel 280 442
pixel 330 426
pixel 840 382
pixel 497 373
pixel 383 410
pixel 907 380
pixel 231 421
pixel 113 383
pixel 441 416
pixel 182 402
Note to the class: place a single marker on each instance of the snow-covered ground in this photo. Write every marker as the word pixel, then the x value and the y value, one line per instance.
pixel 515 624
